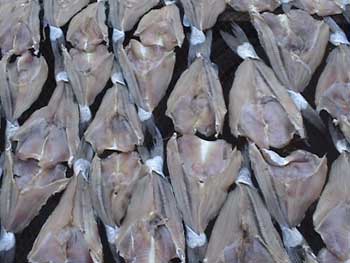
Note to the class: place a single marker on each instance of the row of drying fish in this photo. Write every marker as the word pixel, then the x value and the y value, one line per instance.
pixel 142 210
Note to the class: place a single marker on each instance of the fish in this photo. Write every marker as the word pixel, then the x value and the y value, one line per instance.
pixel 201 173
pixel 116 125
pixel 161 27
pixel 70 234
pixel 152 230
pixel 59 12
pixel 51 134
pixel 244 232
pixel 197 102
pixel 21 81
pixel 331 218
pixel 20 26
pixel 26 187
pixel 295 44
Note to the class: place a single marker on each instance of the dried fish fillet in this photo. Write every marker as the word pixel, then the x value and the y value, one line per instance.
pixel 148 71
pixel 161 27
pixel 26 188
pixel 51 134
pixel 70 234
pixel 19 26
pixel 321 7
pixel 203 14
pixel 295 44
pixel 201 173
pixel 244 232
pixel 124 14
pixel 116 125
pixel 262 110
pixel 21 83
pixel 87 29
pixel 253 5
pixel 289 185
pixel 112 181
pixel 59 12
pixel 88 72
pixel 197 101
pixel 152 229
pixel 331 218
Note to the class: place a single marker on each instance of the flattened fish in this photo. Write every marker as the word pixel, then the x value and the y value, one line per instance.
pixel 51 134
pixel 295 44
pixel 152 229
pixel 26 187
pixel 116 125
pixel 70 234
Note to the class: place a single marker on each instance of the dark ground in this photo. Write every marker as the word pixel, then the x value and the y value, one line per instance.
pixel 227 63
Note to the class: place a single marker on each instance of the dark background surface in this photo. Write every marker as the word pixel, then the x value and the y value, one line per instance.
pixel 227 62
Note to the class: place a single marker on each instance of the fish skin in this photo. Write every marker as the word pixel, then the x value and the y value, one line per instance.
pixel 51 134
pixel 289 185
pixel 25 190
pixel 161 27
pixel 70 234
pixel 295 44
pixel 197 102
pixel 116 125
pixel 331 217
pixel 201 173
pixel 152 230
